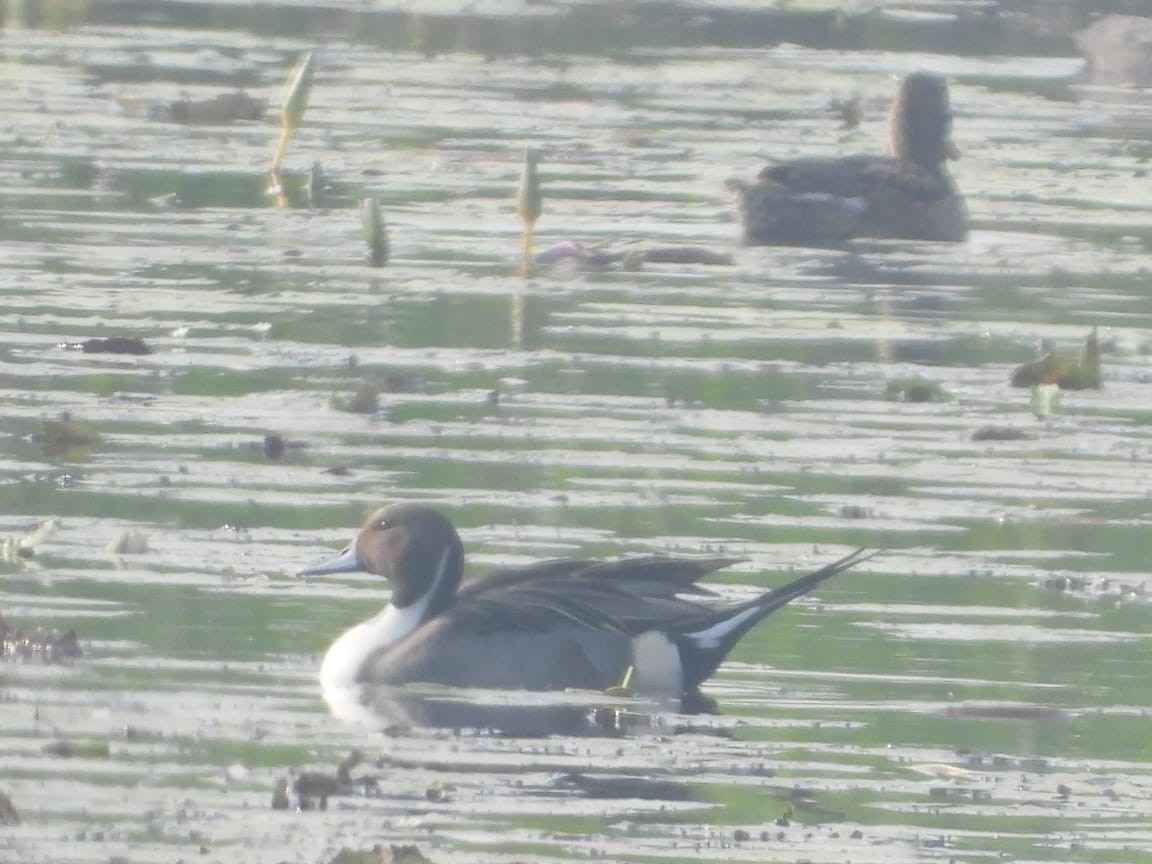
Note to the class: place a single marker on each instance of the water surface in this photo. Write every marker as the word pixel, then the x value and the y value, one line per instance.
pixel 980 689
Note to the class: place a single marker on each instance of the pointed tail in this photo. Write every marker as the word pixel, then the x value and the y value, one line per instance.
pixel 708 639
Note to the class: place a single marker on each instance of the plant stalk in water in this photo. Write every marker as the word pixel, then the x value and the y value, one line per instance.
pixel 529 205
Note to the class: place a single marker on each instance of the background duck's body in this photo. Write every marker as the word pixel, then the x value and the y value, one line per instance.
pixel 549 626
pixel 825 201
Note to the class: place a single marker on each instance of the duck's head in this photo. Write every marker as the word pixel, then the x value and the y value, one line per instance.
pixel 412 546
pixel 920 124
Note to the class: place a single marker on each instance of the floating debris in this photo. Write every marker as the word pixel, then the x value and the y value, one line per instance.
pixel 1067 373
pixel 39 644
pixel 598 259
pixel 78 749
pixel 366 399
pixel 130 542
pixel 1000 433
pixel 15 549
pixel 312 789
pixel 381 855
pixel 111 345
pixel 8 814
pixel 317 184
pixel 216 110
pixel 914 390
pixel 375 231
pixel 274 446
pixel 681 255
pixel 1004 711
pixel 848 109
pixel 529 206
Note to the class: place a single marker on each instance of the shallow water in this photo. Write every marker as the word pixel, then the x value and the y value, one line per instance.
pixel 979 689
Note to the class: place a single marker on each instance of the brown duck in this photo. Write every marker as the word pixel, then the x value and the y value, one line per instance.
pixel 909 195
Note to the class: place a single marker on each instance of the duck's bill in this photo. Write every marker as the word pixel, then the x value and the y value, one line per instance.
pixel 951 151
pixel 346 562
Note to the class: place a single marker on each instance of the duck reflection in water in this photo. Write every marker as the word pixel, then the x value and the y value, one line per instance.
pixel 633 625
pixel 826 201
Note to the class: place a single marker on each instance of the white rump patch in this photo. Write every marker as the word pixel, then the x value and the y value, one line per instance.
pixel 656 664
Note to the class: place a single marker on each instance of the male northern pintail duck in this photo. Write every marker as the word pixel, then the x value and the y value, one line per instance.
pixel 825 201
pixel 552 625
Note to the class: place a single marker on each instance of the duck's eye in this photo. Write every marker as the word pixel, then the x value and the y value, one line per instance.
pixel 382 525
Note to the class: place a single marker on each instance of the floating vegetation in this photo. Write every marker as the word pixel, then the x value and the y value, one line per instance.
pixel 292 111
pixel 65 436
pixel 529 206
pixel 914 390
pixel 1068 373
pixel 375 231
pixel 38 644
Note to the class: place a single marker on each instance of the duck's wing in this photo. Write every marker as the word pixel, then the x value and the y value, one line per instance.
pixel 503 577
pixel 843 177
pixel 601 602
pixel 652 575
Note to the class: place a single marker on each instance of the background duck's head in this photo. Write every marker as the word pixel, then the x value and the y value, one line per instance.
pixel 920 124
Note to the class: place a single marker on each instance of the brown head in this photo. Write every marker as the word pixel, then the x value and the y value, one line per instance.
pixel 920 123
pixel 412 546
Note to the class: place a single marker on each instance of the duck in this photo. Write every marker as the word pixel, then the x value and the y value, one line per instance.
pixel 558 624
pixel 827 201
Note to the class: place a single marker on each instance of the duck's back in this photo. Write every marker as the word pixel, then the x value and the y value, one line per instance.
pixel 827 201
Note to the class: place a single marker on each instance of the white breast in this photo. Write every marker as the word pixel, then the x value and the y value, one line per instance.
pixel 347 655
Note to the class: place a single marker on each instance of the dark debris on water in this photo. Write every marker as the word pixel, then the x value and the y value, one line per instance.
pixel 406 854
pixel 111 345
pixel 312 789
pixel 37 644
